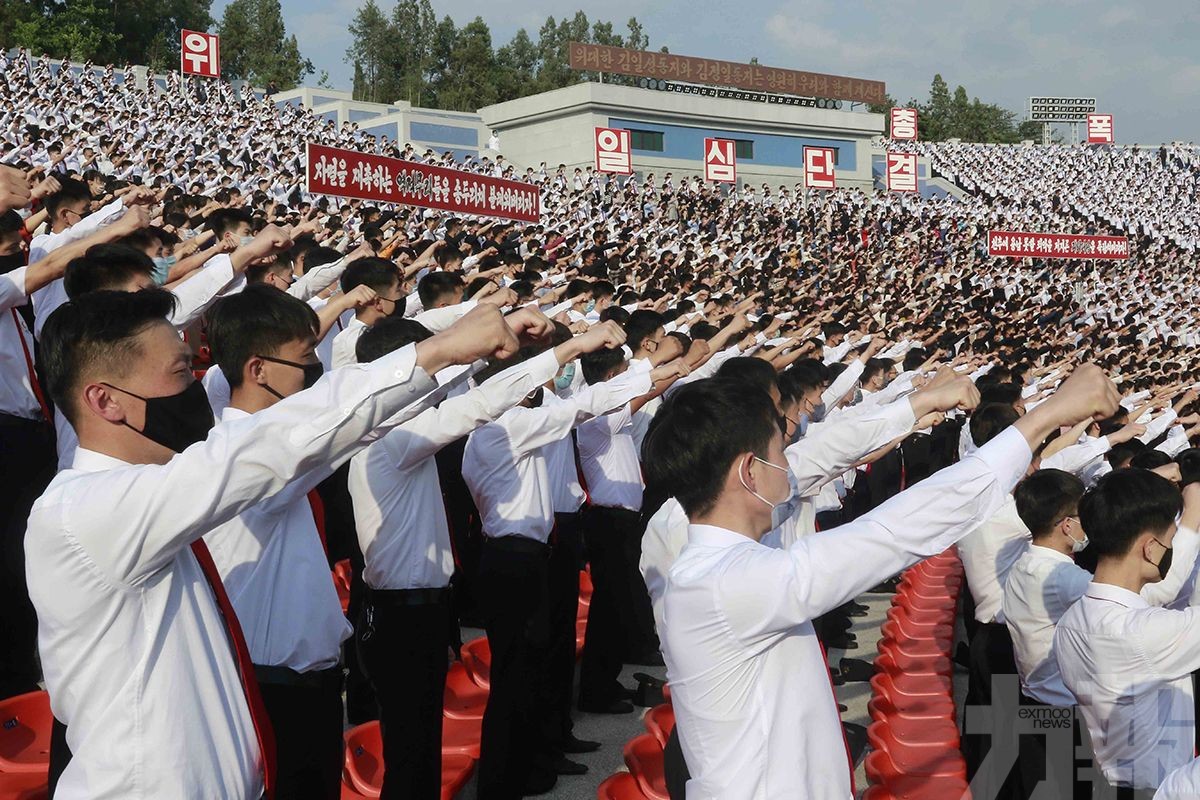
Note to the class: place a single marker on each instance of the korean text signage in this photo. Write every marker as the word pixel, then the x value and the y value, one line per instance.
pixel 1061 109
pixel 1099 129
pixel 665 66
pixel 200 54
pixel 720 160
pixel 1020 244
pixel 346 173
pixel 902 172
pixel 613 151
pixel 819 168
pixel 904 123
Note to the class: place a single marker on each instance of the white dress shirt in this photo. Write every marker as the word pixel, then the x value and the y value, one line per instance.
pixel 988 553
pixel 504 466
pixel 1043 584
pixel 398 507
pixel 345 342
pixel 276 574
pixel 1182 784
pixel 566 492
pixel 746 670
pixel 134 651
pixel 16 387
pixel 1129 666
pixel 609 460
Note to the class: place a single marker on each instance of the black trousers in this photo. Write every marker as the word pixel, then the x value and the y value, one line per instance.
pixel 991 656
pixel 556 691
pixel 403 646
pixel 307 719
pixel 513 587
pixel 1042 759
pixel 675 767
pixel 610 614
pixel 27 463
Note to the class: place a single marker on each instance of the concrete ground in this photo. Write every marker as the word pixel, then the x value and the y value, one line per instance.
pixel 614 731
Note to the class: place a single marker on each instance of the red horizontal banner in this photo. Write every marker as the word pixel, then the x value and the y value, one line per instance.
pixel 1020 244
pixel 347 173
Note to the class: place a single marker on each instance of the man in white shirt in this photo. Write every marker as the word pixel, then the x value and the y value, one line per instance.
pixel 1128 664
pixel 136 649
pixel 739 644
pixel 271 557
pixel 384 277
pixel 408 621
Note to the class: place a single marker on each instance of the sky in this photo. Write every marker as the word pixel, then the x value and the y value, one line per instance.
pixel 1139 60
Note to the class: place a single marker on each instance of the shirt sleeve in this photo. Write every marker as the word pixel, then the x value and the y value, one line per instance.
pixel 12 289
pixel 317 279
pixel 1074 459
pixel 779 589
pixel 80 230
pixel 194 295
pixel 843 383
pixel 131 522
pixel 831 448
pixel 437 320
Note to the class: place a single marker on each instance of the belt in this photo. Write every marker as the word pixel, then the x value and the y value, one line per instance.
pixel 518 544
pixel 285 676
pixel 619 510
pixel 408 597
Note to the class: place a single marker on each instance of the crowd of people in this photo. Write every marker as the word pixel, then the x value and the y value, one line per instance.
pixel 741 409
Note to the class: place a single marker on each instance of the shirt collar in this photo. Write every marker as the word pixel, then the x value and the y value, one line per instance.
pixel 1049 553
pixel 91 461
pixel 1115 594
pixel 231 413
pixel 713 536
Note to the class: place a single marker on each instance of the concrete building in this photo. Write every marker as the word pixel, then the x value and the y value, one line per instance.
pixel 669 128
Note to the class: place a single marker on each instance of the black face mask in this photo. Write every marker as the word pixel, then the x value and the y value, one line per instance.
pixel 9 263
pixel 1164 563
pixel 176 421
pixel 398 306
pixel 312 373
pixel 535 397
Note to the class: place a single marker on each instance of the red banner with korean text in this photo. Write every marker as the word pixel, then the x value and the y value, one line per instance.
pixel 200 54
pixel 1100 128
pixel 614 152
pixel 1021 244
pixel 720 160
pixel 904 123
pixel 820 168
pixel 347 173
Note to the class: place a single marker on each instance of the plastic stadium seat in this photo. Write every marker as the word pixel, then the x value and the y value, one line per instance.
pixel 24 786
pixel 348 793
pixel 900 688
pixel 343 573
pixel 364 758
pixel 644 757
pixel 456 771
pixel 621 786
pixel 878 793
pixel 897 661
pixel 934 753
pixel 585 586
pixel 477 658
pixel 464 698
pixel 909 732
pixel 911 707
pixel 25 723
pixel 660 721
pixel 461 736
pixel 913 645
pixel 882 770
pixel 919 625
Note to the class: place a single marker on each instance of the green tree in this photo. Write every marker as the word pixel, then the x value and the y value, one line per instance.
pixel 255 45
pixel 637 38
pixel 413 29
pixel 468 83
pixel 370 52
pixel 935 115
pixel 516 64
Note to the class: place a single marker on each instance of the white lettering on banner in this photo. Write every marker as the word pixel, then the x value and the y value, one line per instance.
pixel 613 153
pixel 902 172
pixel 819 168
pixel 199 54
pixel 1100 128
pixel 904 123
pixel 720 162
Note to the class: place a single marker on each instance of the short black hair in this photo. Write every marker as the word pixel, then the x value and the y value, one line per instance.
pixel 616 314
pixel 697 434
pixel 750 371
pixel 1125 504
pixel 96 333
pixel 258 320
pixel 224 220
pixel 71 191
pixel 999 392
pixel 105 266
pixel 597 364
pixel 388 335
pixel 1150 459
pixel 436 285
pixel 797 381
pixel 989 420
pixel 642 323
pixel 377 273
pixel 1046 497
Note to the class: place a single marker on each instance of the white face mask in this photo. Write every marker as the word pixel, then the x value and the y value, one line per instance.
pixel 1078 544
pixel 769 504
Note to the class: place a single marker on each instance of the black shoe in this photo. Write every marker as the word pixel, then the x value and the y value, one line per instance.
pixel 842 709
pixel 887 587
pixel 625 694
pixel 573 746
pixel 835 677
pixel 856 740
pixel 565 766
pixel 614 707
pixel 855 670
pixel 646 658
pixel 539 782
pixel 845 642
pixel 857 610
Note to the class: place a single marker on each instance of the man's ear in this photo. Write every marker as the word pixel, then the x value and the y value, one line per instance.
pixel 254 371
pixel 103 402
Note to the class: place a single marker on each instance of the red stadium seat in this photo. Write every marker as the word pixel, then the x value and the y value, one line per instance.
pixel 914 644
pixel 456 771
pixel 364 759
pixel 896 661
pixel 477 658
pixel 585 586
pixel 343 574
pixel 911 707
pixel 348 792
pixel 933 753
pixel 878 793
pixel 25 723
pixel 621 786
pixel 461 736
pixel 660 721
pixel 24 786
pixel 464 698
pixel 644 757
pixel 919 625
pixel 900 688
pixel 882 770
